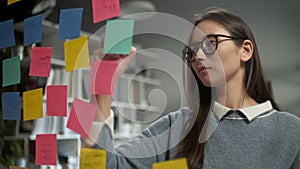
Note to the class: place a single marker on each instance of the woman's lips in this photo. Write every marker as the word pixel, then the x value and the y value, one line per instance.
pixel 203 69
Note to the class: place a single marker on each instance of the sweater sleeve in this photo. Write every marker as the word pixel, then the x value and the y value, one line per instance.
pixel 156 143
pixel 296 164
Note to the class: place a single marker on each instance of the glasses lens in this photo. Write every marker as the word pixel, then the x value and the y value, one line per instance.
pixel 209 45
pixel 189 54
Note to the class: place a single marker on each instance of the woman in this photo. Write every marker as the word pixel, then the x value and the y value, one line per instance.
pixel 238 124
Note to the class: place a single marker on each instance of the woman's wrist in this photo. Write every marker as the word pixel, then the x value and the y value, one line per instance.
pixel 104 105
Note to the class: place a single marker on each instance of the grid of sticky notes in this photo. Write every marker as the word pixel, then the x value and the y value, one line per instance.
pixel 118 40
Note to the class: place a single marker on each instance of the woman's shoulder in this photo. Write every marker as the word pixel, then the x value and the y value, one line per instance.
pixel 288 121
pixel 286 117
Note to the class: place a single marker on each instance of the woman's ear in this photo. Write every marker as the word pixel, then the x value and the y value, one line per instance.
pixel 247 50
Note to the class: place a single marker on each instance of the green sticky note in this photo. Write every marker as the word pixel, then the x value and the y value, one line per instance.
pixel 11 71
pixel 118 36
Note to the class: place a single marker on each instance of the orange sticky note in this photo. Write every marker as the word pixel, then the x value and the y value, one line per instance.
pixel 46 149
pixel 40 61
pixel 105 9
pixel 81 117
pixel 76 53
pixel 92 159
pixel 33 104
pixel 103 78
pixel 56 100
pixel 172 164
pixel 15 167
pixel 12 1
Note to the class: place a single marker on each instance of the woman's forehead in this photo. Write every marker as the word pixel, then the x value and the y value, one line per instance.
pixel 207 27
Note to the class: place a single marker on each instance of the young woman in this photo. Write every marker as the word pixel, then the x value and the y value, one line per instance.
pixel 236 122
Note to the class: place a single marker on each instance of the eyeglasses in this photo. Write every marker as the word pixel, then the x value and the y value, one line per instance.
pixel 208 45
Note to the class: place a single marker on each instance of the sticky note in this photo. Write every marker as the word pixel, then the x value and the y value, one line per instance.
pixel 7 34
pixel 15 167
pixel 9 2
pixel 11 106
pixel 105 9
pixel 33 104
pixel 81 117
pixel 118 36
pixel 76 53
pixel 172 164
pixel 33 29
pixel 92 159
pixel 56 100
pixel 70 23
pixel 11 71
pixel 103 77
pixel 46 149
pixel 40 61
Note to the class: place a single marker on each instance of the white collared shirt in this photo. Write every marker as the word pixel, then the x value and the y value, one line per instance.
pixel 219 112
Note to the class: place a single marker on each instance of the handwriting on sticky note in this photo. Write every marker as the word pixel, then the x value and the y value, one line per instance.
pixel 11 105
pixel 46 149
pixel 81 117
pixel 118 36
pixel 11 71
pixel 56 102
pixel 40 61
pixel 33 104
pixel 92 159
pixel 103 78
pixel 105 9
pixel 15 167
pixel 76 53
pixel 7 34
pixel 33 29
pixel 172 164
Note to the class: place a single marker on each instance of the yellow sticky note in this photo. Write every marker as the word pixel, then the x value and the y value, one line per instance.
pixel 12 1
pixel 92 159
pixel 33 104
pixel 76 53
pixel 180 163
pixel 15 167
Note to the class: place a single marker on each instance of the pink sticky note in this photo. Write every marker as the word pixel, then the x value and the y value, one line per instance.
pixel 40 61
pixel 46 149
pixel 81 117
pixel 105 9
pixel 103 77
pixel 56 101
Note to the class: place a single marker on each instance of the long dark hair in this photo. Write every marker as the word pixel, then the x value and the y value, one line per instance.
pixel 255 84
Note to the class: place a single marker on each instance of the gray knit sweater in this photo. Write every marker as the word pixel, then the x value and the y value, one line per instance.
pixel 269 141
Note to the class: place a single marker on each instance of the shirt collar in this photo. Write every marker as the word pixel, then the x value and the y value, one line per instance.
pixel 250 112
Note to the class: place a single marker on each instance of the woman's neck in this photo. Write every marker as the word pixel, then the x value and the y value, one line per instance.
pixel 234 96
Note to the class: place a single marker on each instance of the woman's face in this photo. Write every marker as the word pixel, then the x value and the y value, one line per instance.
pixel 222 66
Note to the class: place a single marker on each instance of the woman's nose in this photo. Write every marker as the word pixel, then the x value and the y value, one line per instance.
pixel 200 55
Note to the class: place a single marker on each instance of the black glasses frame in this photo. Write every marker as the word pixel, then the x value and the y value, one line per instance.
pixel 189 52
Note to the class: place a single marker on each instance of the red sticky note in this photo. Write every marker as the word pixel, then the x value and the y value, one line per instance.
pixel 81 117
pixel 40 61
pixel 56 100
pixel 46 149
pixel 103 78
pixel 105 9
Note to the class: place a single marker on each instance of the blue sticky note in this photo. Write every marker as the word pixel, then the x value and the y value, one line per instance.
pixel 33 29
pixel 11 106
pixel 11 71
pixel 118 36
pixel 7 34
pixel 70 23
